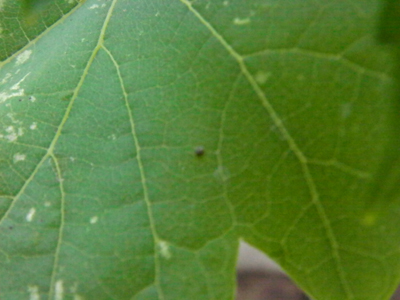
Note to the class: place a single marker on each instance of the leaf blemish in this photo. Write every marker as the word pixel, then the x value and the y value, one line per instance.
pixel 32 98
pixel 94 219
pixel 239 21
pixel 11 116
pixel 222 174
pixel 12 134
pixel 5 79
pixel 199 151
pixel 164 249
pixel 19 157
pixel 16 87
pixel 59 290
pixel 262 77
pixel 33 126
pixel 33 292
pixel 31 214
pixel 23 57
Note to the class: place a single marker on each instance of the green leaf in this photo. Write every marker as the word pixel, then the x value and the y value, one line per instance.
pixel 390 22
pixel 21 21
pixel 104 193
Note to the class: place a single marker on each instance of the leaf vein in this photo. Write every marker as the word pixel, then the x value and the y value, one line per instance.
pixel 289 139
pixel 156 238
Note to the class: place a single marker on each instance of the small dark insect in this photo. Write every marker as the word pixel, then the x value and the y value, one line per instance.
pixel 199 151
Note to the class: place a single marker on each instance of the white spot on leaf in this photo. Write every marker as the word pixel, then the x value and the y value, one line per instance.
pixel 239 21
pixel 94 6
pixel 47 204
pixel 16 86
pixel 33 126
pixel 261 77
pixel 4 96
pixel 19 157
pixel 93 220
pixel 164 249
pixel 23 57
pixel 32 98
pixel 33 292
pixel 12 134
pixel 59 290
pixel 5 79
pixel 11 116
pixel 31 214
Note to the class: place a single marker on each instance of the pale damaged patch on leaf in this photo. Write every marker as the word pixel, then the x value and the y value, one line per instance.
pixel 33 126
pixel 33 292
pixel 18 157
pixel 31 214
pixel 241 21
pixel 12 133
pixel 23 57
pixel 164 249
pixel 5 79
pixel 59 290
pixel 262 77
pixel 4 96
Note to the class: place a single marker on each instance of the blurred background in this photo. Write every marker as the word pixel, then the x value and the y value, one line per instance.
pixel 259 278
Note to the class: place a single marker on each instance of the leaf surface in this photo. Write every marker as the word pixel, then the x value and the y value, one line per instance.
pixel 103 194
